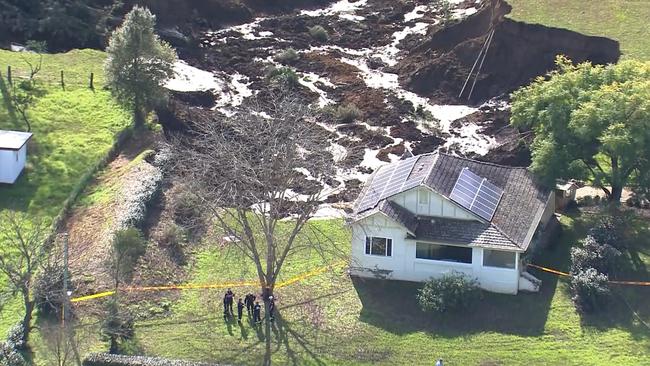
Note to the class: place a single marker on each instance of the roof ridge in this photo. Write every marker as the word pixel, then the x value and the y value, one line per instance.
pixel 485 162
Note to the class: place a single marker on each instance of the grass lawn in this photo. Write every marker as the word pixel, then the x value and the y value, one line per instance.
pixel 623 20
pixel 73 129
pixel 332 319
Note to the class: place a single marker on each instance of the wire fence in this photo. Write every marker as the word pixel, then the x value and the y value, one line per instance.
pixel 64 79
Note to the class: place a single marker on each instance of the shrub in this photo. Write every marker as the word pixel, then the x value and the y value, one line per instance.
pixel 187 210
pixel 451 292
pixel 128 246
pixel 593 254
pixel 105 359
pixel 611 229
pixel 10 349
pixel 283 75
pixel 347 113
pixel 48 287
pixel 287 56
pixel 319 33
pixel 589 290
pixel 117 325
pixel 174 238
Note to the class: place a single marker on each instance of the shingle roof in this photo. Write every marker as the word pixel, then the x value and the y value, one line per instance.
pixel 520 207
pixel 522 201
pixel 13 140
pixel 464 232
pixel 399 214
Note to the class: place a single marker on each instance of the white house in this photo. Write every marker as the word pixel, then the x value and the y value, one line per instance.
pixel 13 154
pixel 432 214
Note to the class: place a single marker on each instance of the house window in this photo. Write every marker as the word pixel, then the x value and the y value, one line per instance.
pixel 423 197
pixel 379 246
pixel 446 253
pixel 499 259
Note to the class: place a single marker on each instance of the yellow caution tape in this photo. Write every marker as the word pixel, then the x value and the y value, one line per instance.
pixel 288 282
pixel 550 270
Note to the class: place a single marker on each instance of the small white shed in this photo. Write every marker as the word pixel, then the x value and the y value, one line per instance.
pixel 13 154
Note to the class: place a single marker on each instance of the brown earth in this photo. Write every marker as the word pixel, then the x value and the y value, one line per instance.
pixel 518 52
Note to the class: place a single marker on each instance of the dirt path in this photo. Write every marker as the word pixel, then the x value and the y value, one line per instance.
pixel 90 225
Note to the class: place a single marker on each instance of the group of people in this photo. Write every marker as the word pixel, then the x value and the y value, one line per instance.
pixel 252 307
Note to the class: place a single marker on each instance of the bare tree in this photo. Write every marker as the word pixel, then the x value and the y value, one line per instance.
pixel 23 250
pixel 260 173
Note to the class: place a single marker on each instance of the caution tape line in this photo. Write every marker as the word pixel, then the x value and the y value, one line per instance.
pixel 288 282
pixel 554 271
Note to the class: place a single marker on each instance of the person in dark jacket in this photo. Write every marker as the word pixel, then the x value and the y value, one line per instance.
pixel 249 301
pixel 257 312
pixel 240 310
pixel 271 308
pixel 228 300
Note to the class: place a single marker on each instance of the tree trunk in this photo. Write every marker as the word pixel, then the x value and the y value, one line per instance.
pixel 138 116
pixel 617 192
pixel 27 319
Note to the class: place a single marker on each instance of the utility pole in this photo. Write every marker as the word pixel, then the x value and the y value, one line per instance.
pixel 65 278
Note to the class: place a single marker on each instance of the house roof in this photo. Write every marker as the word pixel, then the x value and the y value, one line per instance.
pixel 463 232
pixel 519 209
pixel 13 140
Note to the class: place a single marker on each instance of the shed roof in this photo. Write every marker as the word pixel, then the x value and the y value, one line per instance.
pixel 13 140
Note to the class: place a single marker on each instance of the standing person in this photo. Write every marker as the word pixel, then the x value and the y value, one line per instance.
pixel 271 308
pixel 249 300
pixel 240 310
pixel 257 312
pixel 228 299
pixel 225 307
pixel 439 362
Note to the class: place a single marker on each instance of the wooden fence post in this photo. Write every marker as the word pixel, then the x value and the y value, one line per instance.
pixel 62 82
pixel 9 74
pixel 92 76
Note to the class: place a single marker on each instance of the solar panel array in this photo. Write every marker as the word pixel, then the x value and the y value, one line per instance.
pixel 388 181
pixel 476 194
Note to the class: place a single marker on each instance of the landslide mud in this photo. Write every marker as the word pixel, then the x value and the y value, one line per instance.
pixel 518 52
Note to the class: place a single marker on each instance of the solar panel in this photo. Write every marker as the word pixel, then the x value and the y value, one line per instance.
pixel 389 180
pixel 477 194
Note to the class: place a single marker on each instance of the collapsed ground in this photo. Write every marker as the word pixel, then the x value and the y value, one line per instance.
pixel 394 61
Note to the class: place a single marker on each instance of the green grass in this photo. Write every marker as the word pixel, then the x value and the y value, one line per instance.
pixel 623 20
pixel 73 129
pixel 331 319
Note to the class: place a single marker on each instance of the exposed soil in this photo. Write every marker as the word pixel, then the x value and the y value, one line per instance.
pixel 518 52
pixel 398 66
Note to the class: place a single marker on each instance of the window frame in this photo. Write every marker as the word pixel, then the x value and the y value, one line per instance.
pixel 442 261
pixel 514 254
pixel 424 193
pixel 388 252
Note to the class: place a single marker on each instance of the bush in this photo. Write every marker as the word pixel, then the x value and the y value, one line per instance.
pixel 283 75
pixel 187 210
pixel 10 349
pixel 128 246
pixel 174 238
pixel 319 33
pixel 589 290
pixel 48 286
pixel 105 359
pixel 593 254
pixel 347 113
pixel 451 292
pixel 287 56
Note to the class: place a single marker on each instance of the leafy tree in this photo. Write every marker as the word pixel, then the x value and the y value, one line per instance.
pixel 138 63
pixel 590 122
pixel 22 243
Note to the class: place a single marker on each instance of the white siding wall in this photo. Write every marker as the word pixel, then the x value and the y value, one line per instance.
pixel 11 164
pixel 438 205
pixel 406 267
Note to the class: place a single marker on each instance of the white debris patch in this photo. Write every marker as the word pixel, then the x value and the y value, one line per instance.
pixel 190 78
pixel 374 78
pixel 345 9
pixel 416 13
pixel 470 139
pixel 309 80
pixel 233 94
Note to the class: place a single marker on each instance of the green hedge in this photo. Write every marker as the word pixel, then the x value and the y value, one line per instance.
pixel 106 359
